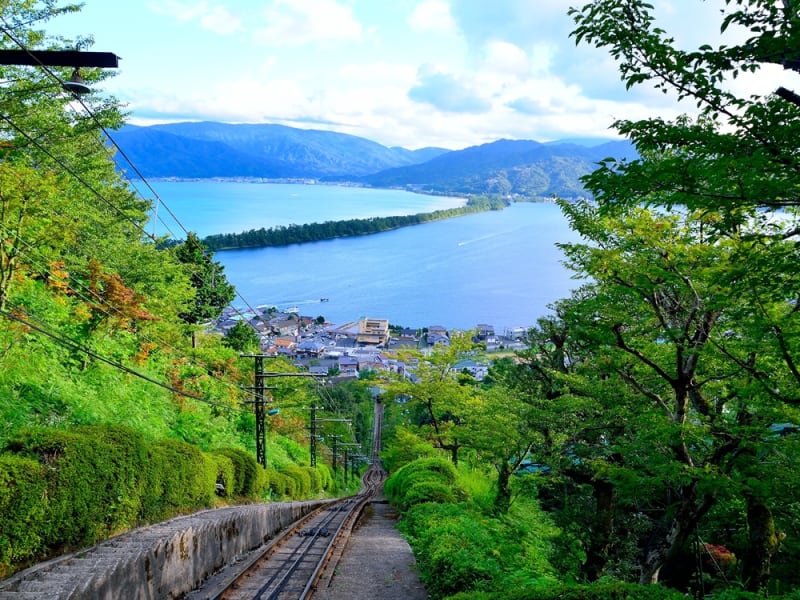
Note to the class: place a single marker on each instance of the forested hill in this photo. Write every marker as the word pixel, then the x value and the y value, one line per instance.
pixel 205 150
pixel 506 167
pixel 218 150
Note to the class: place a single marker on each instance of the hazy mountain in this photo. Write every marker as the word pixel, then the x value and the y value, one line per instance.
pixel 205 150
pixel 198 150
pixel 506 166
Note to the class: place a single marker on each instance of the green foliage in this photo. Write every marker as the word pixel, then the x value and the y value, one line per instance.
pixel 324 476
pixel 226 475
pixel 315 479
pixel 93 483
pixel 302 481
pixel 212 290
pixel 23 486
pixel 404 446
pixel 597 591
pixel 280 485
pixel 459 549
pixel 241 337
pixel 426 479
pixel 284 235
pixel 427 491
pixel 245 470
pixel 183 478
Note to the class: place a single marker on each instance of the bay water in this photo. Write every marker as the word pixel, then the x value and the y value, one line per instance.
pixel 500 268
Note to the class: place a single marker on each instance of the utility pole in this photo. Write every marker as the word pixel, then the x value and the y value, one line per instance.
pixel 313 444
pixel 314 429
pixel 335 439
pixel 259 408
pixel 347 447
pixel 259 402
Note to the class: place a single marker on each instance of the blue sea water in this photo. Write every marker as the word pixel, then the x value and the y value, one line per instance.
pixel 208 207
pixel 500 268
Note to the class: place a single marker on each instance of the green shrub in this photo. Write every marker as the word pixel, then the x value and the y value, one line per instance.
pixel 458 549
pixel 461 549
pixel 740 594
pixel 226 475
pixel 325 477
pixel 183 478
pixel 261 484
pixel 427 491
pixel 245 466
pixel 438 472
pixel 280 486
pixel 598 591
pixel 94 486
pixel 22 510
pixel 302 487
pixel 315 477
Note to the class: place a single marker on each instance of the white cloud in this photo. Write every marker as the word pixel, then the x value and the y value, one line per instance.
pixel 297 22
pixel 505 57
pixel 432 15
pixel 447 92
pixel 211 17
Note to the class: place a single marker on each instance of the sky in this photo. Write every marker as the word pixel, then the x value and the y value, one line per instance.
pixel 411 73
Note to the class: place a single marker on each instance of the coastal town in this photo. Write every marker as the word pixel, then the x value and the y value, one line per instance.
pixel 348 350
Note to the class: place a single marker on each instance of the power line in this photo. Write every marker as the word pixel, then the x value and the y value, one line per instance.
pixel 76 175
pixel 89 352
pixel 91 296
pixel 36 59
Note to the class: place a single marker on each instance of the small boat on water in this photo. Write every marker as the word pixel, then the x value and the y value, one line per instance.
pixel 323 299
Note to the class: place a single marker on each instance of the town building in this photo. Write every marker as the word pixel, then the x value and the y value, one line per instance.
pixel 373 332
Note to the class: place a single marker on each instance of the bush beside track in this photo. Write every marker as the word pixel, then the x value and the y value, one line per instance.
pixel 62 490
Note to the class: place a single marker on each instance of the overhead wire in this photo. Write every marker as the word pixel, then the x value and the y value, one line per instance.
pixel 108 135
pixel 91 296
pixel 40 328
pixel 159 201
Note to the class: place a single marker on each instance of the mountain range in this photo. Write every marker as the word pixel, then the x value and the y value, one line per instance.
pixel 200 150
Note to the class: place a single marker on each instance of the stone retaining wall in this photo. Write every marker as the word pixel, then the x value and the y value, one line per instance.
pixel 161 561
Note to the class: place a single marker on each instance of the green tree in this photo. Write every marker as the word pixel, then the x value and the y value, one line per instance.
pixel 498 426
pixel 242 337
pixel 438 403
pixel 213 292
pixel 728 170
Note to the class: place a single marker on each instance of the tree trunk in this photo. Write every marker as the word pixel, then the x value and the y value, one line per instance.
pixel 661 549
pixel 502 500
pixel 602 528
pixel 763 545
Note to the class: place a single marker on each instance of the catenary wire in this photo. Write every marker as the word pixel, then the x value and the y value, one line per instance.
pixel 159 200
pixel 40 328
pixel 89 296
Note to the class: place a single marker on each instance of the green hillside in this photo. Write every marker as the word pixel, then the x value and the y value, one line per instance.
pixel 117 408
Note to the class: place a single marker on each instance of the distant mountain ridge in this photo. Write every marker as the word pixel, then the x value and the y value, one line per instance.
pixel 204 150
pixel 522 167
pixel 208 149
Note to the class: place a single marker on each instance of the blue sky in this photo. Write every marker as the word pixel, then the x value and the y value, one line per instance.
pixel 412 73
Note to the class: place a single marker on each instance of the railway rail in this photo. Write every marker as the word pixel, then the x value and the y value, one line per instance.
pixel 292 565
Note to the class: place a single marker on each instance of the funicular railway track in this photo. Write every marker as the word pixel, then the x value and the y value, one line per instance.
pixel 291 565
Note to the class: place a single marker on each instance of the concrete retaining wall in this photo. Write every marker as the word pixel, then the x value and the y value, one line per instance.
pixel 162 561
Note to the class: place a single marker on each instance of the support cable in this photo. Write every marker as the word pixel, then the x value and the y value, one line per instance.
pixel 88 351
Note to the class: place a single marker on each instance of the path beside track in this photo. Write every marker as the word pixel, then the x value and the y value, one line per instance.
pixel 377 562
